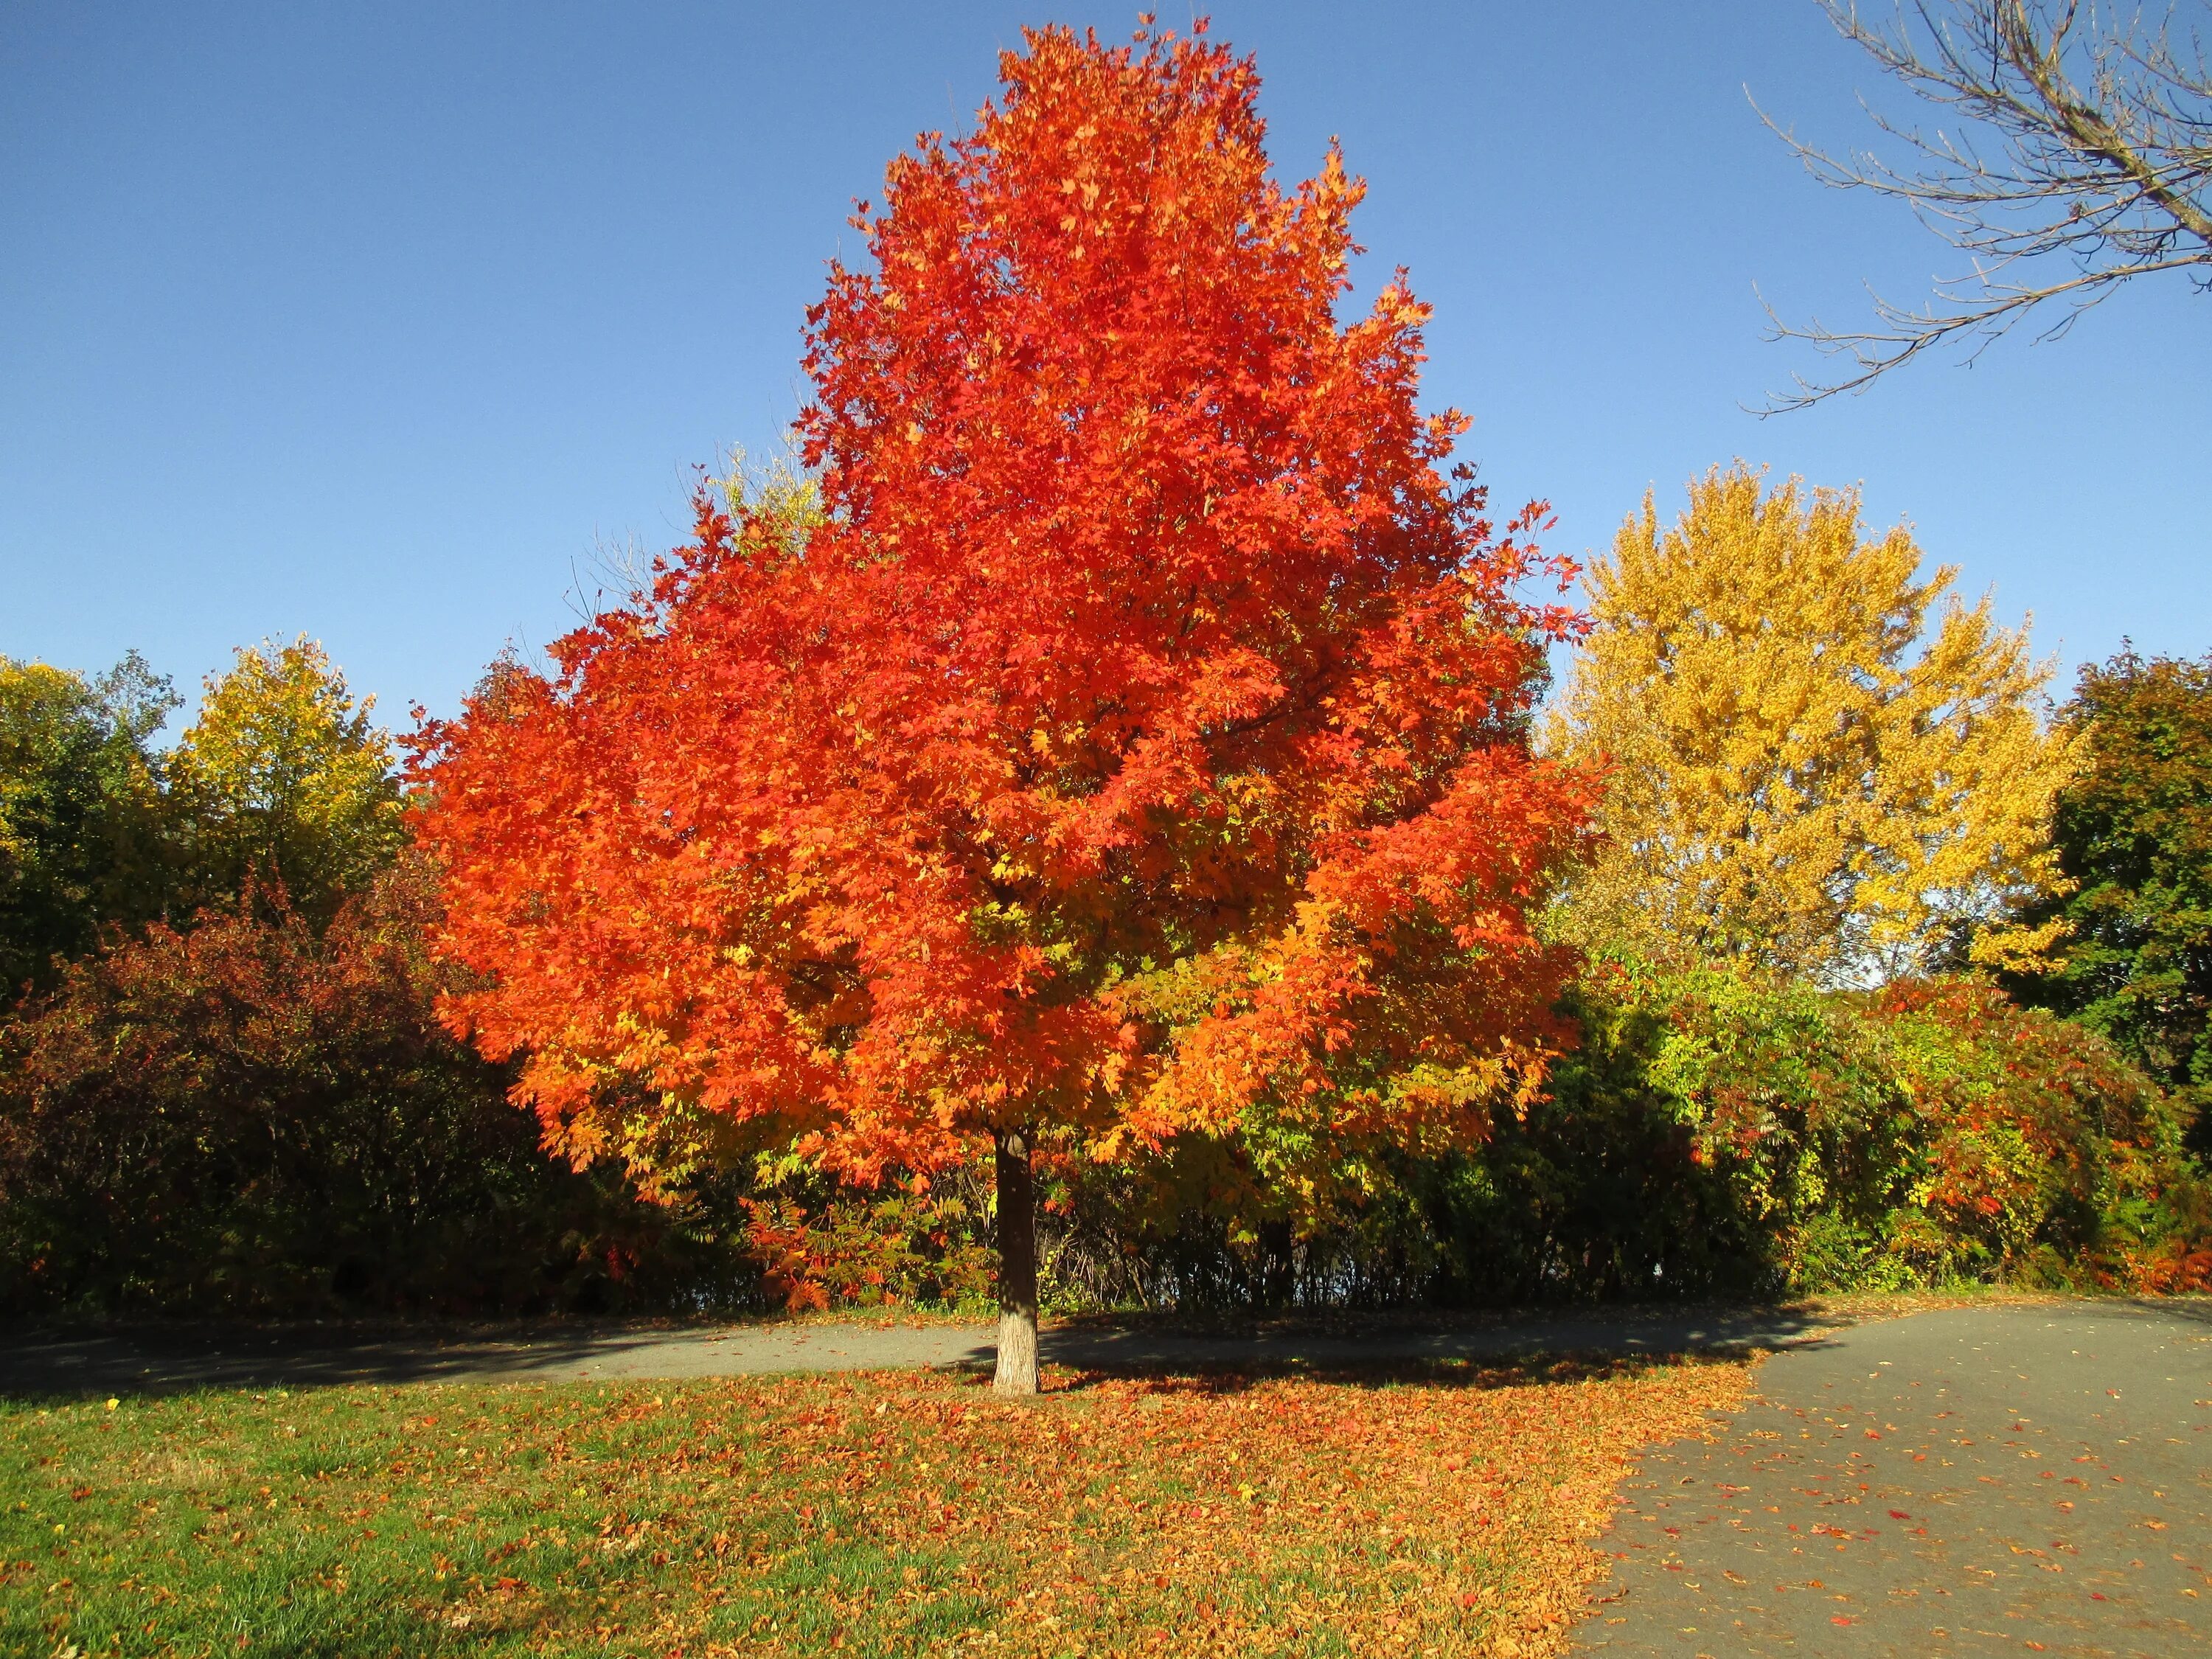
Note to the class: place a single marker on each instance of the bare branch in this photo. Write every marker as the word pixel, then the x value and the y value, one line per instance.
pixel 2095 157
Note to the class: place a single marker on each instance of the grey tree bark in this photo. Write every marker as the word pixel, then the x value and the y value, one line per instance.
pixel 1017 1273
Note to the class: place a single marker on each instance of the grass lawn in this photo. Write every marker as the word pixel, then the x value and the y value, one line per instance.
pixel 1435 1510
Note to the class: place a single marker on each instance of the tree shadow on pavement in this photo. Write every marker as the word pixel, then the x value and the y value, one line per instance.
pixel 173 1359
pixel 1211 1380
pixel 164 1357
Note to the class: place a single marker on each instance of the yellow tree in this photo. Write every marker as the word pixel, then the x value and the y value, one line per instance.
pixel 283 776
pixel 1803 773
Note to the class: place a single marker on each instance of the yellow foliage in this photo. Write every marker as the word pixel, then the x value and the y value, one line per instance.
pixel 36 704
pixel 283 774
pixel 1801 775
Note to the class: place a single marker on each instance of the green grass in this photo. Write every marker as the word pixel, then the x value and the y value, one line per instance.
pixel 893 1514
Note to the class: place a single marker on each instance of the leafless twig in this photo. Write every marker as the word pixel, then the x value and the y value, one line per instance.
pixel 616 574
pixel 2095 158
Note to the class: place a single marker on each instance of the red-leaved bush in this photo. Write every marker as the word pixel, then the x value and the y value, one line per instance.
pixel 252 1116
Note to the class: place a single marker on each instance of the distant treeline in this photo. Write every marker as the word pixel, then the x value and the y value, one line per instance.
pixel 1888 981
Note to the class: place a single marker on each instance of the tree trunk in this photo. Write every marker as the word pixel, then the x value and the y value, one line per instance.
pixel 1018 1292
pixel 1278 1264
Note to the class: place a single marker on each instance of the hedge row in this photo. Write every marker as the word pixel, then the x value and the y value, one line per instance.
pixel 253 1116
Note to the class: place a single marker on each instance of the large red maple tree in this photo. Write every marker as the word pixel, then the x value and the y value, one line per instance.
pixel 1131 739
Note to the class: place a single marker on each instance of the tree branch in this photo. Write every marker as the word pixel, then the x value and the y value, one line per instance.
pixel 2105 131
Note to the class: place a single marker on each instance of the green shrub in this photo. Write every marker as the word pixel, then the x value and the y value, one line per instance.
pixel 82 842
pixel 1929 1131
pixel 1717 1134
pixel 2134 834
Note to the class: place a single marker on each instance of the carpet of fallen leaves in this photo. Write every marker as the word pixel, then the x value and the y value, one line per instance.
pixel 1442 1510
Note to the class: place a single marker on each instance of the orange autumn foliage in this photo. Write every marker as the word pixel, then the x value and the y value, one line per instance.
pixel 1134 743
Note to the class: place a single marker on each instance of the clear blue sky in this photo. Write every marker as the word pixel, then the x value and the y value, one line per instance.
pixel 369 322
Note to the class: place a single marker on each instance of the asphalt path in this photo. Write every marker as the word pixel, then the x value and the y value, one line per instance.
pixel 1974 1480
pixel 1995 1477
pixel 164 1358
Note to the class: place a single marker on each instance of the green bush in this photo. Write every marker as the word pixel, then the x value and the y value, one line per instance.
pixel 82 840
pixel 1929 1131
pixel 1718 1133
pixel 2134 834
pixel 1721 1132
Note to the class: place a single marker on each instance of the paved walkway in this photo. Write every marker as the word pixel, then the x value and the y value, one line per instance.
pixel 1977 1480
pixel 2004 1478
pixel 34 1361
